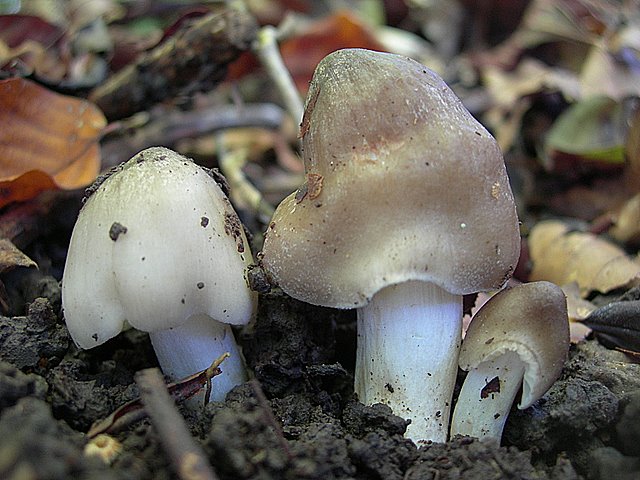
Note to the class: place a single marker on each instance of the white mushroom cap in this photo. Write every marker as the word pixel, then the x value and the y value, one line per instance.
pixel 155 244
pixel 529 319
pixel 402 183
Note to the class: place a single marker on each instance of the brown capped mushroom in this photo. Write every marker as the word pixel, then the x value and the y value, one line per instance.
pixel 520 337
pixel 406 207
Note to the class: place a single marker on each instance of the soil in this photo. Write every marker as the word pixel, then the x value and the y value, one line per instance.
pixel 309 427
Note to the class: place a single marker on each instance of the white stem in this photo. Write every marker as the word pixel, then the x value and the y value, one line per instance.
pixel 483 407
pixel 193 346
pixel 409 337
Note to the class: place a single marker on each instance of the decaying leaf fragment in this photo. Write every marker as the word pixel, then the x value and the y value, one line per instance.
pixel 617 325
pixel 626 228
pixel 47 140
pixel 562 256
pixel 592 129
pixel 11 257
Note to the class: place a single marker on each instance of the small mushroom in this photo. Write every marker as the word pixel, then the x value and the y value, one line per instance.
pixel 520 337
pixel 406 207
pixel 158 245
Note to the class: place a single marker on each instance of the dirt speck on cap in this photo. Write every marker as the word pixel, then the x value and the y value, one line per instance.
pixel 116 230
pixel 233 227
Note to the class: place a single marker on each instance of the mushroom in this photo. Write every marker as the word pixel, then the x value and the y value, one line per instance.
pixel 406 207
pixel 520 337
pixel 158 245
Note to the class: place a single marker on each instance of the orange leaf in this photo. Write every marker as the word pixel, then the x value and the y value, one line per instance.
pixel 25 187
pixel 47 140
pixel 302 53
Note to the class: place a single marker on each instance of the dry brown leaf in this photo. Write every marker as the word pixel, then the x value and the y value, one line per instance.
pixel 530 76
pixel 46 140
pixel 603 75
pixel 578 309
pixel 343 29
pixel 626 222
pixel 562 256
pixel 604 72
pixel 511 91
pixel 11 257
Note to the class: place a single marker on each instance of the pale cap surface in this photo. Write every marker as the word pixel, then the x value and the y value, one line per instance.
pixel 179 250
pixel 529 319
pixel 402 183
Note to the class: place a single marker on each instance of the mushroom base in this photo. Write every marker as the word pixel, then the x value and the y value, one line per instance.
pixel 486 397
pixel 193 346
pixel 409 337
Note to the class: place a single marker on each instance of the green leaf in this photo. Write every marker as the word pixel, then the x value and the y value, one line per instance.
pixel 593 128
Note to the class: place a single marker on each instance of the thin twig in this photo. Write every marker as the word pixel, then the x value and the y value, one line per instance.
pixel 166 128
pixel 133 411
pixel 194 59
pixel 186 455
pixel 243 194
pixel 266 48
pixel 269 417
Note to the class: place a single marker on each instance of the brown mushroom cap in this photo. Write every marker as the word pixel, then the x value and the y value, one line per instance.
pixel 402 183
pixel 530 319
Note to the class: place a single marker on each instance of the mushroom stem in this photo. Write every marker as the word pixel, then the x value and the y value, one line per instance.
pixel 192 346
pixel 486 397
pixel 407 355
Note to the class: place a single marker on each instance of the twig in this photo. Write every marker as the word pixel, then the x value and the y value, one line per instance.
pixel 243 193
pixel 270 418
pixel 186 455
pixel 167 128
pixel 194 59
pixel 133 411
pixel 266 48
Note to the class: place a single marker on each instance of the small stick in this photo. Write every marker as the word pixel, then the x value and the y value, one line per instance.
pixel 243 193
pixel 161 127
pixel 271 419
pixel 266 48
pixel 186 455
pixel 194 59
pixel 133 411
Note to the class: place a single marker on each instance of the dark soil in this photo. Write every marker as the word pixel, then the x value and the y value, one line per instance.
pixel 310 426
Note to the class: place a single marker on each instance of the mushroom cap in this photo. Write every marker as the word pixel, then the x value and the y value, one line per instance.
pixel 156 243
pixel 530 319
pixel 402 183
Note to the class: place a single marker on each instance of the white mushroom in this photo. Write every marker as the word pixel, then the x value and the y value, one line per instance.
pixel 406 207
pixel 520 337
pixel 158 245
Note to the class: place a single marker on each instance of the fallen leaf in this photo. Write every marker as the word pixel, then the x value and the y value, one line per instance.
pixel 626 222
pixel 605 71
pixel 17 29
pixel 31 45
pixel 302 53
pixel 617 324
pixel 11 257
pixel 531 76
pixel 591 130
pixel 47 140
pixel 548 20
pixel 562 256
pixel 577 309
pixel 512 93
